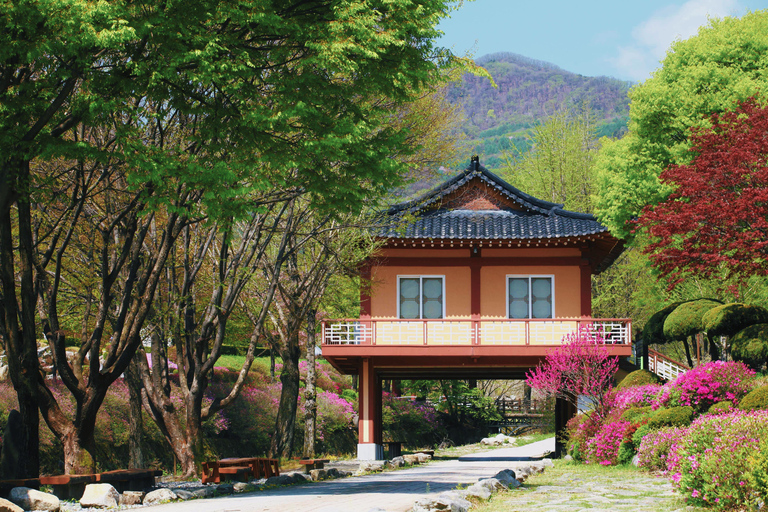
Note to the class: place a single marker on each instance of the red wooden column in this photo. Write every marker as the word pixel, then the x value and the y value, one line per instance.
pixel 369 446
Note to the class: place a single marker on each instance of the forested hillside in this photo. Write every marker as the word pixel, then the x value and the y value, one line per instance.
pixel 529 91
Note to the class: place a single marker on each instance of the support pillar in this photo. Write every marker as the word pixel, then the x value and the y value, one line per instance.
pixel 585 294
pixel 369 446
pixel 564 411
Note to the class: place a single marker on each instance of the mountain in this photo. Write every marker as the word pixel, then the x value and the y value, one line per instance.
pixel 499 119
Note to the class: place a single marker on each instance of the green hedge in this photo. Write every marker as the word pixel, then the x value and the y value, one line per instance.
pixel 638 378
pixel 686 319
pixel 729 319
pixel 755 399
pixel 750 346
pixel 719 407
pixel 636 414
pixel 671 417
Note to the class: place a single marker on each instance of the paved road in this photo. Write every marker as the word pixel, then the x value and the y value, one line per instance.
pixel 392 491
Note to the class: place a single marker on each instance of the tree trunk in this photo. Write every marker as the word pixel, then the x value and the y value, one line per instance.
pixel 285 424
pixel 310 392
pixel 78 459
pixel 687 353
pixel 135 423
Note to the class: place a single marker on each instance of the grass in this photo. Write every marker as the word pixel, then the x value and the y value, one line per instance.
pixel 572 486
pixel 455 452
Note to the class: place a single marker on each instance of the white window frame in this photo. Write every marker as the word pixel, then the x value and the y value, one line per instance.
pixel 421 313
pixel 530 294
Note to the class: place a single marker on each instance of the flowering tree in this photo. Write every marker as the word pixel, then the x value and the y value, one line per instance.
pixel 715 222
pixel 580 367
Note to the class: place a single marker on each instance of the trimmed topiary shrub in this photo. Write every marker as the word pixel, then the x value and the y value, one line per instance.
pixel 640 433
pixel 721 407
pixel 729 319
pixel 686 319
pixel 653 332
pixel 638 378
pixel 672 417
pixel 750 346
pixel 636 414
pixel 755 399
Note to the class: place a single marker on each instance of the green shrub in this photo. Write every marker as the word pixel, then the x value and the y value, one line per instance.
pixel 636 414
pixel 686 319
pixel 729 319
pixel 671 417
pixel 638 378
pixel 640 433
pixel 653 332
pixel 626 452
pixel 750 346
pixel 720 407
pixel 755 399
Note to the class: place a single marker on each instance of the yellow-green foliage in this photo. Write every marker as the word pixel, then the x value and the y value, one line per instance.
pixel 728 319
pixel 755 399
pixel 653 332
pixel 720 407
pixel 638 378
pixel 672 417
pixel 636 414
pixel 750 346
pixel 686 319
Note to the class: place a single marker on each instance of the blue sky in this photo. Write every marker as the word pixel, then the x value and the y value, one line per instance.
pixel 620 38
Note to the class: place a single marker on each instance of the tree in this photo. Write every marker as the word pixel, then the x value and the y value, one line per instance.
pixel 264 97
pixel 702 75
pixel 715 222
pixel 580 367
pixel 559 165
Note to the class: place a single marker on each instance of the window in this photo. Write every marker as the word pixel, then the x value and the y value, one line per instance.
pixel 420 297
pixel 531 296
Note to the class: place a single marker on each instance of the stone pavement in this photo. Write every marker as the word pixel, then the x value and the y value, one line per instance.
pixel 391 491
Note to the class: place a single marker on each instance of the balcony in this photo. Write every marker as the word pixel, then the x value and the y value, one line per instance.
pixel 462 332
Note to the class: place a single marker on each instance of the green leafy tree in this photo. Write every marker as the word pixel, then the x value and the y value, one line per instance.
pixel 259 98
pixel 705 74
pixel 559 165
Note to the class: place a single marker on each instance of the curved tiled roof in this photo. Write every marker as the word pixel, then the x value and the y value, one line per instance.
pixel 536 219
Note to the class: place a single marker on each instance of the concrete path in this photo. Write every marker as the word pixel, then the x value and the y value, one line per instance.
pixel 392 491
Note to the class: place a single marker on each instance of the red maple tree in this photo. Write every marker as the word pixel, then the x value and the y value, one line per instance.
pixel 715 223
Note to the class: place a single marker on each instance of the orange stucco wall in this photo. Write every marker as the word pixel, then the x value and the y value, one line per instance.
pixel 493 287
pixel 384 296
pixel 493 282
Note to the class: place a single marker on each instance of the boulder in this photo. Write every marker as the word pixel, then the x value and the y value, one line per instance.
pixel 7 506
pixel 492 484
pixel 507 478
pixel 397 462
pixel 300 478
pixel 225 489
pixel 423 457
pixel 205 492
pixel 32 499
pixel 282 479
pixel 159 496
pixel 370 466
pixel 129 498
pixel 100 496
pixel 478 491
pixel 183 494
pixel 318 474
pixel 243 487
pixel 411 459
pixel 442 502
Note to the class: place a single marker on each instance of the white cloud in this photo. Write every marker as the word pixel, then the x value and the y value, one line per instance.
pixel 652 37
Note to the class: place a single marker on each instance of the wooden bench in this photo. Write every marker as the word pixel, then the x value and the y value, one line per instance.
pixel 241 468
pixel 72 486
pixel 310 464
pixel 7 485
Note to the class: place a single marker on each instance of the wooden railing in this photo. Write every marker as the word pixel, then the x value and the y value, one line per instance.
pixel 664 366
pixel 470 332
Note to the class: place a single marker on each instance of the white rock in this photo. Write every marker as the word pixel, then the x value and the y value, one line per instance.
pixel 492 484
pixel 32 499
pixel 159 496
pixel 131 498
pixel 423 457
pixel 7 506
pixel 100 496
pixel 478 491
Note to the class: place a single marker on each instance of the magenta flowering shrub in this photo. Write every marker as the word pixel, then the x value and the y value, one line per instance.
pixel 712 465
pixel 706 385
pixel 603 448
pixel 656 446
pixel 413 422
pixel 638 396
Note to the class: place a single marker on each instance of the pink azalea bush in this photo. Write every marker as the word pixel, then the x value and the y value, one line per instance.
pixel 656 446
pixel 603 447
pixel 715 458
pixel 706 385
pixel 637 396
